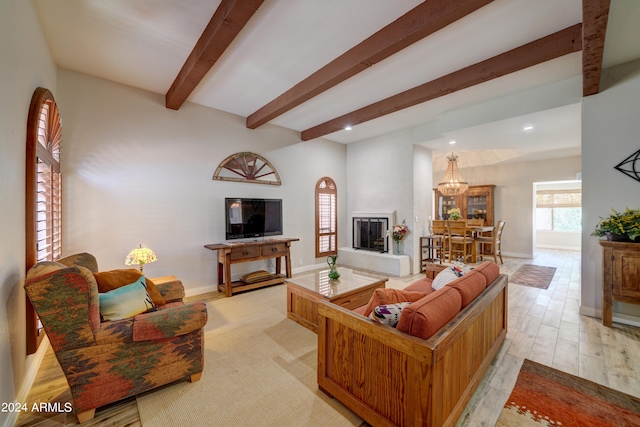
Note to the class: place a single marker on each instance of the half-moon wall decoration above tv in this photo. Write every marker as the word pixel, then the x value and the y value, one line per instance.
pixel 247 167
pixel 630 166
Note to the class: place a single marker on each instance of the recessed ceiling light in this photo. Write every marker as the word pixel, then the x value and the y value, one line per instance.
pixel 347 128
pixel 453 141
pixel 527 128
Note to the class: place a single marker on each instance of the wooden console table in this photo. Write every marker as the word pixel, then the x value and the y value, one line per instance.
pixel 233 253
pixel 620 270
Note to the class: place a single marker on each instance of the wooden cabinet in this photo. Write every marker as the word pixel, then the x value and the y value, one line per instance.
pixel 620 275
pixel 475 203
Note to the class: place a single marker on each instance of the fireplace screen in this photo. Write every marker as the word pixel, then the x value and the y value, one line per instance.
pixel 370 234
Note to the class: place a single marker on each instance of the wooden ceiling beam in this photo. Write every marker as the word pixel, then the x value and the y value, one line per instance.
pixel 423 20
pixel 553 46
pixel 595 15
pixel 227 22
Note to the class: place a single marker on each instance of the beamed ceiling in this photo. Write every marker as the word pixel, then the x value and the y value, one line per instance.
pixel 475 71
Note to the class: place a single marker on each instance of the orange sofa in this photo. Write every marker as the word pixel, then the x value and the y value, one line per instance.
pixel 424 371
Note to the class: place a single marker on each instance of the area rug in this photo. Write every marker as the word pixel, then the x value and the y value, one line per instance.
pixel 536 276
pixel 260 370
pixel 544 396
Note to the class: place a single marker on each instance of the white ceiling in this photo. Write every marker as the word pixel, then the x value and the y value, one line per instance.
pixel 143 43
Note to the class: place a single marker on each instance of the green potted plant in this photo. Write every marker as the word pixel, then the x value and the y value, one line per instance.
pixel 620 226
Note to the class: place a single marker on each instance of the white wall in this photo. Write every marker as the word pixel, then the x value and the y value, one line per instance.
pixel 513 195
pixel 136 172
pixel 25 64
pixel 611 133
pixel 422 197
pixel 380 173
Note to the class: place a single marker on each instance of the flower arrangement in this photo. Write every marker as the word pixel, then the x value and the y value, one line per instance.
pixel 399 231
pixel 454 213
pixel 625 223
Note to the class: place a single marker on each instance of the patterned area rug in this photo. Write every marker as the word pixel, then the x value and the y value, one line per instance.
pixel 544 396
pixel 536 276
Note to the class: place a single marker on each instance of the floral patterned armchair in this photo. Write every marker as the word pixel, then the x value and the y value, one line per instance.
pixel 106 361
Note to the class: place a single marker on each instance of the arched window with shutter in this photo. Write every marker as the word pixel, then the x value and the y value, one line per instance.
pixel 326 217
pixel 43 214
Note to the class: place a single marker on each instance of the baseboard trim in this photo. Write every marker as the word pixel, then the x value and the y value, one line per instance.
pixel 624 319
pixel 33 365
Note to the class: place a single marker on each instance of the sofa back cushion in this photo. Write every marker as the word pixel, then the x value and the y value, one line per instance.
pixel 384 296
pixel 423 285
pixel 469 286
pixel 490 270
pixel 426 316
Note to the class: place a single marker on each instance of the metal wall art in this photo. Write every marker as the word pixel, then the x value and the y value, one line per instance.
pixel 630 166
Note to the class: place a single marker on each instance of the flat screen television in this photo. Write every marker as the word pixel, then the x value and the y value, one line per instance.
pixel 247 218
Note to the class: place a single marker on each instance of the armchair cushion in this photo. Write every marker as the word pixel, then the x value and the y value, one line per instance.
pixel 113 279
pixel 170 322
pixel 126 301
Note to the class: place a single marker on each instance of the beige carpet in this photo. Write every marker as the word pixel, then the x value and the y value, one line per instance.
pixel 260 370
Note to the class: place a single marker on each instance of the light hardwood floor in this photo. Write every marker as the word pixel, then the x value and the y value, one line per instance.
pixel 544 326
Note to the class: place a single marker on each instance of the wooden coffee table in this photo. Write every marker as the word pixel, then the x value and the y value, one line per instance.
pixel 352 290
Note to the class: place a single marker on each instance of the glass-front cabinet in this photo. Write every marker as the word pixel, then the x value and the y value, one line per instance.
pixel 475 203
pixel 446 203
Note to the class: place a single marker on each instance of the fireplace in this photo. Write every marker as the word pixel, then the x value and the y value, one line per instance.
pixel 370 233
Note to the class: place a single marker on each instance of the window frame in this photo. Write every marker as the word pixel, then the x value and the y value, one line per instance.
pixel 556 204
pixel 43 194
pixel 326 186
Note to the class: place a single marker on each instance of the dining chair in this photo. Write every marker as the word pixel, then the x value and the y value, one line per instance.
pixel 494 241
pixel 460 240
pixel 475 222
pixel 439 235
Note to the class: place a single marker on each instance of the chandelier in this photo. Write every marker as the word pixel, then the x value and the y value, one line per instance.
pixel 452 184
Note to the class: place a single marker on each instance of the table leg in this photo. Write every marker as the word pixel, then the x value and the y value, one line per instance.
pixel 474 252
pixel 278 268
pixel 227 276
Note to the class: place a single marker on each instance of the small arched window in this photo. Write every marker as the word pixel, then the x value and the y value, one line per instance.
pixel 43 210
pixel 326 217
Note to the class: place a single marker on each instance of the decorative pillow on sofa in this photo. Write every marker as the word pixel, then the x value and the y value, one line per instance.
pixel 384 296
pixel 449 274
pixel 126 301
pixel 113 279
pixel 256 276
pixel 389 314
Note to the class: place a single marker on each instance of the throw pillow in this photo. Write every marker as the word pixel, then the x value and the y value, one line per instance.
pixel 457 269
pixel 388 314
pixel 445 276
pixel 256 276
pixel 113 279
pixel 126 301
pixel 384 296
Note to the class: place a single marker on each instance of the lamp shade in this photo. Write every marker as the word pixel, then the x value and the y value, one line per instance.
pixel 140 256
pixel 452 184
